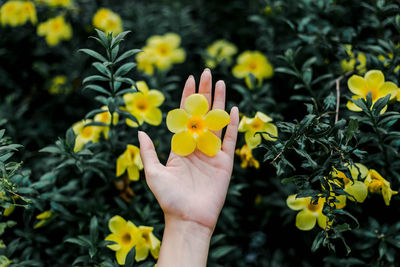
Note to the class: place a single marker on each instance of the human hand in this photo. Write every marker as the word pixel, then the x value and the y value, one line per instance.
pixel 191 190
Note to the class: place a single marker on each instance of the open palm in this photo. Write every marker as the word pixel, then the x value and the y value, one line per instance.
pixel 193 188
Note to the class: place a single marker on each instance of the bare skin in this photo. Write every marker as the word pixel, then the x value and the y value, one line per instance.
pixel 191 190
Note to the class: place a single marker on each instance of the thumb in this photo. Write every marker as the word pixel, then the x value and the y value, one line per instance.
pixel 148 153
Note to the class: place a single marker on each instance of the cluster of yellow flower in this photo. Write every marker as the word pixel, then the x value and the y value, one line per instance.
pixel 373 82
pixel 127 235
pixel 255 128
pixel 107 21
pixel 55 30
pixel 160 52
pixel 311 212
pixel 16 13
pixel 56 3
pixel 248 62
pixel 59 85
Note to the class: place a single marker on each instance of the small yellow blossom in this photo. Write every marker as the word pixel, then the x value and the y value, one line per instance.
pixel 107 21
pixel 356 188
pixel 268 10
pixel 247 158
pixel 144 105
pixel 56 3
pixel 130 161
pixel 161 51
pixel 349 64
pixel 15 13
pixel 145 60
pixel 59 85
pixel 105 117
pixel 85 134
pixel 4 261
pixel 253 62
pixel 218 51
pixel 148 243
pixel 260 123
pixel 374 83
pixel 193 125
pixel 8 211
pixel 309 213
pixel 55 30
pixel 377 184
pixel 125 235
pixel 44 218
pixel 386 61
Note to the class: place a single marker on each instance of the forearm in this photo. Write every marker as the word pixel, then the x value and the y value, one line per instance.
pixel 184 244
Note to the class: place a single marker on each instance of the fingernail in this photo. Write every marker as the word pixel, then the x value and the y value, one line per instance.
pixel 191 77
pixel 221 82
pixel 207 69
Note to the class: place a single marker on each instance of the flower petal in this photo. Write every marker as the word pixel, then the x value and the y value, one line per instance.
pixel 116 224
pixel 142 251
pixel 155 246
pixel 121 164
pixel 358 190
pixel 177 120
pixel 209 144
pixel 196 105
pixel 296 203
pixel 153 116
pixel 183 143
pixel 322 220
pixel 353 107
pixel 252 139
pixel 271 129
pixel 142 86
pixel 133 173
pixel 243 124
pixel 358 168
pixel 305 220
pixel 131 123
pixel 217 119
pixel 263 117
pixel 388 88
pixel 155 97
pixel 374 79
pixel 121 256
pixel 358 85
pixel 115 238
pixel 342 202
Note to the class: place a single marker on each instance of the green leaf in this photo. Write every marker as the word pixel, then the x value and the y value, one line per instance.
pixel 351 129
pixel 220 252
pixel 286 71
pixel 318 241
pixel 119 38
pixel 97 88
pixel 124 69
pixel 127 54
pixel 130 258
pixel 380 104
pixel 94 54
pixel 101 68
pixel 126 91
pixel 103 38
pixel 51 149
pixel 94 231
pixel 94 78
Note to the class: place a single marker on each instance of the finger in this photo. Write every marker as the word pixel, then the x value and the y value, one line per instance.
pixel 205 86
pixel 189 89
pixel 219 99
pixel 148 154
pixel 229 143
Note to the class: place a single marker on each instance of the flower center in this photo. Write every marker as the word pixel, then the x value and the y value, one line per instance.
pixel 256 125
pixel 56 26
pixel 374 94
pixel 87 131
pixel 146 237
pixel 126 238
pixel 142 105
pixel 314 207
pixel 253 65
pixel 163 49
pixel 195 125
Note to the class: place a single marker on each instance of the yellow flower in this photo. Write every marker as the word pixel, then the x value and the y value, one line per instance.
pixel 55 30
pixel 247 157
pixel 268 10
pixel 348 65
pixel 4 261
pixel 144 105
pixel 220 50
pixel 260 123
pixel 145 60
pixel 377 184
pixel 105 117
pixel 374 83
pixel 125 234
pixel 386 60
pixel 356 188
pixel 309 213
pixel 43 219
pixel 56 3
pixel 8 211
pixel 252 62
pixel 130 160
pixel 166 50
pixel 58 85
pixel 192 126
pixel 148 243
pixel 85 134
pixel 107 21
pixel 15 13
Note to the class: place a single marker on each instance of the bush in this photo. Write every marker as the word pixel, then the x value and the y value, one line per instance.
pixel 315 81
